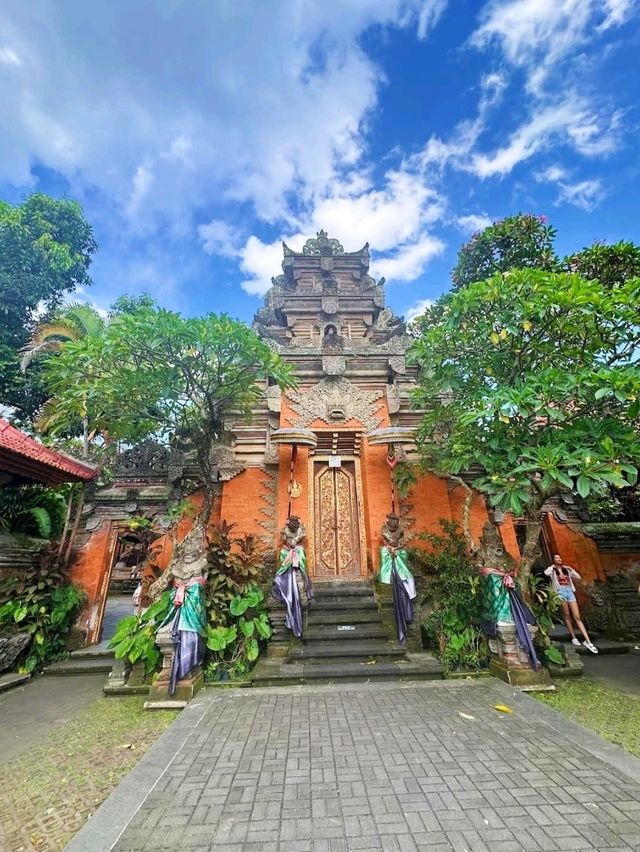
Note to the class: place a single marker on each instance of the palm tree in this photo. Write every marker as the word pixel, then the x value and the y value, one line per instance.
pixel 72 322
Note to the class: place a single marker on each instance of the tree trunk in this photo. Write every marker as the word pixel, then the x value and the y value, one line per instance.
pixel 65 529
pixel 531 548
pixel 74 531
pixel 466 512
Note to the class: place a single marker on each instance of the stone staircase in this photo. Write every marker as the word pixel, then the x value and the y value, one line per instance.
pixel 346 640
pixel 95 659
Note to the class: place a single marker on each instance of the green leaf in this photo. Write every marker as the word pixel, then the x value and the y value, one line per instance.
pixel 554 655
pixel 583 485
pixel 252 650
pixel 239 605
pixel 248 628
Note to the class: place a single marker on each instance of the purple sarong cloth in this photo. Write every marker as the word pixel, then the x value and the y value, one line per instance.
pixel 522 616
pixel 285 591
pixel 402 606
pixel 187 654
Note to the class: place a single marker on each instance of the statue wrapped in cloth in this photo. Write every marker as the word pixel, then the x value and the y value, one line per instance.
pixel 186 622
pixel 291 585
pixel 394 571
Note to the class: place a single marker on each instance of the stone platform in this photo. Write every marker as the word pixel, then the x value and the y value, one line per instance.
pixel 370 767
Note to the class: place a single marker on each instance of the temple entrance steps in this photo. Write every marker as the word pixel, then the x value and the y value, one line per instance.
pixel 346 640
pixel 95 659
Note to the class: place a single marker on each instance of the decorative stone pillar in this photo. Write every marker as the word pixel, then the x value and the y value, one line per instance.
pixel 509 659
pixel 159 697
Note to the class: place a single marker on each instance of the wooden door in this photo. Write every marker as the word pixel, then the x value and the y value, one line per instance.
pixel 337 535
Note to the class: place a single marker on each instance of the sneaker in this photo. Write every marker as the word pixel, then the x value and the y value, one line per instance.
pixel 575 641
pixel 591 647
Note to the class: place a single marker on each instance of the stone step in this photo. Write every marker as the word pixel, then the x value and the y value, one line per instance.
pixel 351 633
pixel 604 646
pixel 363 650
pixel 346 617
pixel 412 667
pixel 342 591
pixel 338 603
pixel 96 665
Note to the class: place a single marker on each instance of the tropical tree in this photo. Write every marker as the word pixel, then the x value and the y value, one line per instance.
pixel 609 264
pixel 156 374
pixel 46 248
pixel 533 376
pixel 71 322
pixel 522 241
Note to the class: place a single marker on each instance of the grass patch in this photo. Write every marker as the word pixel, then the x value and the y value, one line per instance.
pixel 612 714
pixel 50 791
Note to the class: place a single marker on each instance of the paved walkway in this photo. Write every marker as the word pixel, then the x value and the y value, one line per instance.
pixel 31 712
pixel 621 671
pixel 364 767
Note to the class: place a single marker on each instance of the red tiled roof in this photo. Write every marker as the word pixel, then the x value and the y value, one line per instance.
pixel 28 459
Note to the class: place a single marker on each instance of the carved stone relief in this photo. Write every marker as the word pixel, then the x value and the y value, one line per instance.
pixel 336 400
pixel 398 364
pixel 393 399
pixel 224 463
pixel 330 304
pixel 334 365
pixel 273 396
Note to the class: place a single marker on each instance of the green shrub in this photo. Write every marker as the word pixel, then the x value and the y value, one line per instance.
pixel 42 603
pixel 135 636
pixel 233 648
pixel 453 628
pixel 33 510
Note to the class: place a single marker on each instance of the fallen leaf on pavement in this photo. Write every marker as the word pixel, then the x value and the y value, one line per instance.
pixel 503 708
pixel 465 715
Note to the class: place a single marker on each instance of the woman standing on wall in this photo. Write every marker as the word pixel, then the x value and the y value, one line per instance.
pixel 562 577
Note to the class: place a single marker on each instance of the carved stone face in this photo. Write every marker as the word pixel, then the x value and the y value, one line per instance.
pixel 393 522
pixel 293 523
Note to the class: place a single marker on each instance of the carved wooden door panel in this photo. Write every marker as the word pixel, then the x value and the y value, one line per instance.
pixel 337 539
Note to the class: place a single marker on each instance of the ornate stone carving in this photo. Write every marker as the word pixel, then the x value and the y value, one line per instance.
pixel 269 508
pixel 273 396
pixel 322 245
pixel 336 400
pixel 398 364
pixel 330 305
pixel 378 296
pixel 393 399
pixel 147 461
pixel 334 365
pixel 224 463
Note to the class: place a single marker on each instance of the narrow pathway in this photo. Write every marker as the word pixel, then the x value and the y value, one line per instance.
pixel 372 766
pixel 31 711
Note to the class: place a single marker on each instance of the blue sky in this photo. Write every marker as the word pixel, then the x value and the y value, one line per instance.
pixel 199 134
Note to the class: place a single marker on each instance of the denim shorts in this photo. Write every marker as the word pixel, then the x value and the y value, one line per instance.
pixel 566 594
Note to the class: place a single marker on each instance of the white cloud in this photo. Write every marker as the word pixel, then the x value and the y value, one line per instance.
pixel 9 56
pixel 217 104
pixel 586 194
pixel 429 16
pixel 417 309
pixel 395 219
pixel 409 261
pixel 538 35
pixel 571 122
pixel 474 222
pixel 218 237
pixel 141 184
pixel 552 174
pixel 260 261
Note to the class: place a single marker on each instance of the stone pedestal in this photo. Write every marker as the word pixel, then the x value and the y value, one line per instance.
pixel 510 660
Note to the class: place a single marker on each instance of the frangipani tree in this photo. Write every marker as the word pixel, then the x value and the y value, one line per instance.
pixel 154 373
pixel 534 376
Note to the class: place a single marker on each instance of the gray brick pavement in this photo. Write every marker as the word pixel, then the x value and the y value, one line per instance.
pixel 372 767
